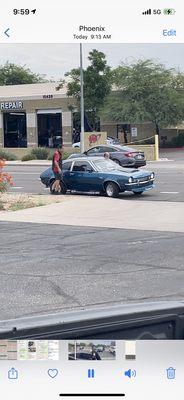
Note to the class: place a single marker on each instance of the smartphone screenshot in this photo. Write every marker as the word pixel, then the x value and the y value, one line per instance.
pixel 91 199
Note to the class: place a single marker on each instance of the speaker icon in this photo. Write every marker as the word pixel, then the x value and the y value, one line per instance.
pixel 130 373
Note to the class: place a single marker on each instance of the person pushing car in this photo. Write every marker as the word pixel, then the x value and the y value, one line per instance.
pixel 57 169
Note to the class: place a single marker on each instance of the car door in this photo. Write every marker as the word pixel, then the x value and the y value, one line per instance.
pixel 117 155
pixel 66 172
pixel 84 178
pixel 100 151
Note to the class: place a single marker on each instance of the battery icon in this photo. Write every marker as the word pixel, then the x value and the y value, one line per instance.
pixel 169 11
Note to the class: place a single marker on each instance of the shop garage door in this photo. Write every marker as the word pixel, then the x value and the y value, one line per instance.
pixel 49 124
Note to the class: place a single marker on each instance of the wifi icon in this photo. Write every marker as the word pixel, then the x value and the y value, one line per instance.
pixel 147 12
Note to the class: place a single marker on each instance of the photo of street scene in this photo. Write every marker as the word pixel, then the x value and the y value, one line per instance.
pixel 91 180
pixel 92 350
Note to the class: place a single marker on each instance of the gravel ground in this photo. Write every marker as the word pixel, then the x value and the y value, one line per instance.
pixel 17 201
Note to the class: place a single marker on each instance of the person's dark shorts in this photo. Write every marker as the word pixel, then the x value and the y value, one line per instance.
pixel 58 176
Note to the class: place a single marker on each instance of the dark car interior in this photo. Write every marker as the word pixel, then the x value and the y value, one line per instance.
pixel 85 167
pixel 156 320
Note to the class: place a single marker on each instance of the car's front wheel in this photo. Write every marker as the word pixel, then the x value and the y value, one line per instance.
pixel 112 189
pixel 62 188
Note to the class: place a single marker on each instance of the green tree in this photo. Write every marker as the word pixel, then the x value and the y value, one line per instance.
pixel 97 84
pixel 146 92
pixel 12 74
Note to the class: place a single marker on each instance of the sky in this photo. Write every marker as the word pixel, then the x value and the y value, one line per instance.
pixel 53 60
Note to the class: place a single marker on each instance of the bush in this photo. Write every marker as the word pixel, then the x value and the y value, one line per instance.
pixel 41 153
pixel 7 156
pixel 29 157
pixel 65 155
pixel 50 155
pixel 148 141
pixel 178 140
pixel 5 179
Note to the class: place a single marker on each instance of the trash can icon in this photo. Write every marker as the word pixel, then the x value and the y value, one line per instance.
pixel 171 374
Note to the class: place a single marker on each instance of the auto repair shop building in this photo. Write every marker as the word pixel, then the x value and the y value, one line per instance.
pixel 31 114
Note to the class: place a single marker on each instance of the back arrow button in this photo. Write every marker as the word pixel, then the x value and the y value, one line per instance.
pixel 6 32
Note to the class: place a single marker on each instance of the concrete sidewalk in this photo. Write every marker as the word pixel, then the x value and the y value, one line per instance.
pixel 34 163
pixel 94 211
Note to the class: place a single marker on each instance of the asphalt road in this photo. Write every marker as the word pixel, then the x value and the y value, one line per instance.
pixel 168 185
pixel 49 268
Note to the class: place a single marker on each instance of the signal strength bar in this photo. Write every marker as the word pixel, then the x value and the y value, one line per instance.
pixel 147 12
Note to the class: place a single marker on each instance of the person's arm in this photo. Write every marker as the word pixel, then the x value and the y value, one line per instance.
pixel 57 165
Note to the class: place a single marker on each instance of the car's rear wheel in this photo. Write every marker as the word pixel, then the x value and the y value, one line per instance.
pixel 62 188
pixel 137 193
pixel 112 189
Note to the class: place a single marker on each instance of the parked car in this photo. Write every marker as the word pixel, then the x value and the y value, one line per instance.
pixel 122 155
pixel 92 174
pixel 110 140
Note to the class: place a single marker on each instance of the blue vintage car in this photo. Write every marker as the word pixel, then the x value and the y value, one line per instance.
pixel 95 174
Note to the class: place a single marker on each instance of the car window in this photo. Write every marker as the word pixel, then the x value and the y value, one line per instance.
pixel 111 149
pixel 93 150
pixel 102 149
pixel 82 166
pixel 106 165
pixel 66 166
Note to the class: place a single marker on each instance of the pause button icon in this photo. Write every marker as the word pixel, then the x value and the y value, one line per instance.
pixel 91 373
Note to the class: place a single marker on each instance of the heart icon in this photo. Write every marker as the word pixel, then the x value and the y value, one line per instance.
pixel 52 372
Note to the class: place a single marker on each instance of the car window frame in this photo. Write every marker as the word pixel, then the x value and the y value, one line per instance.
pixel 82 162
pixel 90 151
pixel 101 160
pixel 67 162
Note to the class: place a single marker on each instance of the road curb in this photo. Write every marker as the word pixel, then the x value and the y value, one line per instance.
pixel 27 164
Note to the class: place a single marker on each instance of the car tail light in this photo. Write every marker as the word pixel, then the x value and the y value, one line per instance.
pixel 128 154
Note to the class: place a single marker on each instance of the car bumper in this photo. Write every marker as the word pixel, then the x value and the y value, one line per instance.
pixel 143 189
pixel 140 187
pixel 140 163
pixel 135 164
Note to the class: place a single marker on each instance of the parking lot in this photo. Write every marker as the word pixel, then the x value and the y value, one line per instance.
pixel 92 251
pixel 168 185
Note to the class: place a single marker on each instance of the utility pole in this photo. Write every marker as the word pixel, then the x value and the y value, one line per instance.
pixel 81 101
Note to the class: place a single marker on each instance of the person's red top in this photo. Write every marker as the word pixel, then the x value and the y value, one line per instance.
pixel 57 158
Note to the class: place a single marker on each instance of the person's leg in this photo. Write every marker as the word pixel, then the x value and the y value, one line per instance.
pixel 56 185
pixel 58 188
